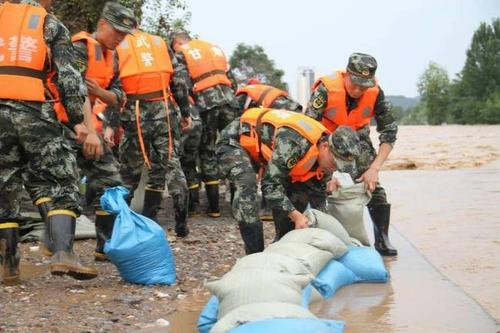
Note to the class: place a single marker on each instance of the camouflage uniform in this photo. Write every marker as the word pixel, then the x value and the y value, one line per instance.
pixel 190 145
pixel 103 172
pixel 155 125
pixel 361 70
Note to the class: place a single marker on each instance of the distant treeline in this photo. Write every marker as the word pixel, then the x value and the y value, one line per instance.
pixel 473 97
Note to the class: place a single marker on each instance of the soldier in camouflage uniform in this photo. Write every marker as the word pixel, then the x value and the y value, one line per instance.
pixel 288 199
pixel 358 99
pixel 255 94
pixel 158 126
pixel 217 107
pixel 31 137
pixel 115 23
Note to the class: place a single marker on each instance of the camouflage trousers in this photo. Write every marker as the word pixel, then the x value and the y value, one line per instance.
pixel 101 173
pixel 33 149
pixel 363 162
pixel 236 166
pixel 312 192
pixel 213 120
pixel 190 145
pixel 155 134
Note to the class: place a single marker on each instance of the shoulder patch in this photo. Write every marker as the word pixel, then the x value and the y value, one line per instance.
pixel 318 102
pixel 292 162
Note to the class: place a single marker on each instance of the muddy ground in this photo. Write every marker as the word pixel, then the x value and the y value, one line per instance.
pixel 43 303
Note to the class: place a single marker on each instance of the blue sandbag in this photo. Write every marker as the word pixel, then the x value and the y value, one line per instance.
pixel 333 277
pixel 366 263
pixel 138 246
pixel 298 325
pixel 208 316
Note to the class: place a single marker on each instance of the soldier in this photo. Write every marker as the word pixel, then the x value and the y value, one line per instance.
pixel 31 43
pixel 151 78
pixel 297 154
pixel 98 64
pixel 211 90
pixel 255 94
pixel 352 98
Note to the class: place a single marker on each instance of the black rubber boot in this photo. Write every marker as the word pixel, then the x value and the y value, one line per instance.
pixel 381 215
pixel 9 252
pixel 253 236
pixel 103 229
pixel 265 212
pixel 64 261
pixel 194 202
pixel 212 189
pixel 152 203
pixel 181 228
pixel 43 205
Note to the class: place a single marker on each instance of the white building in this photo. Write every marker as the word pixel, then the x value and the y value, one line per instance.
pixel 305 80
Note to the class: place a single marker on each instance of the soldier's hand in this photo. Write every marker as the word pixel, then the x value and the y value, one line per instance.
pixel 299 219
pixel 370 178
pixel 93 87
pixel 92 147
pixel 81 133
pixel 332 185
pixel 108 135
pixel 186 123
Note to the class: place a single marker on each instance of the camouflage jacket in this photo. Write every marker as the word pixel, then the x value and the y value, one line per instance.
pixel 151 110
pixel 211 97
pixel 386 124
pixel 112 112
pixel 68 79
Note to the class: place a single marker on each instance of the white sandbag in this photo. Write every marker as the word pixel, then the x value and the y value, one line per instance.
pixel 241 287
pixel 324 221
pixel 347 205
pixel 272 262
pixel 259 311
pixel 314 258
pixel 319 238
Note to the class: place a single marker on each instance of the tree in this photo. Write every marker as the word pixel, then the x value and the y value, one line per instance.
pixel 433 87
pixel 157 16
pixel 252 62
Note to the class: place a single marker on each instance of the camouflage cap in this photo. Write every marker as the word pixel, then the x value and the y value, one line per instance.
pixel 119 16
pixel 361 68
pixel 344 144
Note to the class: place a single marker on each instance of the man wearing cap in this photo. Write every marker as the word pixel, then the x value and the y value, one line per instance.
pixel 352 98
pixel 295 153
pixel 98 64
pixel 212 93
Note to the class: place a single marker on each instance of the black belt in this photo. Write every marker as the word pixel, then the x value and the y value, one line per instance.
pixel 209 74
pixel 141 97
pixel 23 71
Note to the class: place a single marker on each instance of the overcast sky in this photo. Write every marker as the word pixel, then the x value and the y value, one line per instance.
pixel 403 35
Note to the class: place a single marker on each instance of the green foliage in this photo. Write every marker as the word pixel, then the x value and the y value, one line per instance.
pixel 252 62
pixel 433 87
pixel 156 16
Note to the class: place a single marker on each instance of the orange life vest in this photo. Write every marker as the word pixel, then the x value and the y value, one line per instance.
pixel 262 94
pixel 261 153
pixel 99 69
pixel 23 52
pixel 145 66
pixel 336 114
pixel 206 63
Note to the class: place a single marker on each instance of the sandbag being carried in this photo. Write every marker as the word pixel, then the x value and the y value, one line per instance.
pixel 138 246
pixel 347 205
pixel 242 286
pixel 318 219
pixel 259 311
pixel 313 258
pixel 319 238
